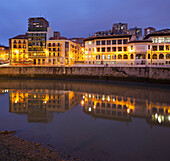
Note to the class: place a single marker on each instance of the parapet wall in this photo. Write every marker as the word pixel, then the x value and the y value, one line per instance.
pixel 106 73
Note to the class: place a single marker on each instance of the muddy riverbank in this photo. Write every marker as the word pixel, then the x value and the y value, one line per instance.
pixel 15 148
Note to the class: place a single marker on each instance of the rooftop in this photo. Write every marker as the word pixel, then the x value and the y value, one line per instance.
pixel 20 37
pixel 108 36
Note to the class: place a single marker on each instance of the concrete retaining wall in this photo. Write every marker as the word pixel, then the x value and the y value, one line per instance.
pixel 109 73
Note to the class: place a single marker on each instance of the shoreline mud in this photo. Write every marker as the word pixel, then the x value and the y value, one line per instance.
pixel 15 148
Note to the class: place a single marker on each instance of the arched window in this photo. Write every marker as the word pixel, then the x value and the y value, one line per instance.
pixel 140 56
pixel 131 56
pixel 161 56
pixel 167 56
pixel 113 56
pixel 125 56
pixel 149 56
pixel 108 57
pixel 98 57
pixel 119 56
pixel 154 56
pixel 103 57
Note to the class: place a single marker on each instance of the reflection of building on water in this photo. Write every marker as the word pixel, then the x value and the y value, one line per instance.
pixel 123 109
pixel 40 104
pixel 3 91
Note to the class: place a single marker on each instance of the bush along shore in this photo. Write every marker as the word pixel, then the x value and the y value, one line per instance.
pixel 15 148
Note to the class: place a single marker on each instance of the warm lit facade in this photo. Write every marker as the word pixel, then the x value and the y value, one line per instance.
pixel 159 51
pixel 19 50
pixel 112 49
pixel 62 51
pixel 39 104
pixel 124 108
pixel 4 53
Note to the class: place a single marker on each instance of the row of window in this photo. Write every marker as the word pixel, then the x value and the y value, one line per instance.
pixel 160 56
pixel 19 46
pixel 54 54
pixel 160 48
pixel 36 34
pixel 108 49
pixel 113 42
pixel 54 49
pixel 36 38
pixel 53 44
pixel 19 41
pixel 161 40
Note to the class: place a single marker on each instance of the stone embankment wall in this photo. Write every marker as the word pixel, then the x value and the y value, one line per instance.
pixel 106 73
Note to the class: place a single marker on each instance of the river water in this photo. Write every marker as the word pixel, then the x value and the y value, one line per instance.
pixel 90 120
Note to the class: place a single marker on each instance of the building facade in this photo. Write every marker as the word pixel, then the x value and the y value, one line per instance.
pixel 159 50
pixel 107 49
pixel 62 51
pixel 38 34
pixel 4 53
pixel 19 50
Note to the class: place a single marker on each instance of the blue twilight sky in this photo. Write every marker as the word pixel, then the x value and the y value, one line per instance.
pixel 81 17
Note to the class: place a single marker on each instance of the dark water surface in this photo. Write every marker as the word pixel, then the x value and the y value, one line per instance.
pixel 92 121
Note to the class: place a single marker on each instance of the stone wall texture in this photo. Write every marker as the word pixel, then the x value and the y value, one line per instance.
pixel 106 73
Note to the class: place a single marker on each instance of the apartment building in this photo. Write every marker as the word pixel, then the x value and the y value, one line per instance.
pixel 111 49
pixel 4 53
pixel 38 34
pixel 159 51
pixel 18 46
pixel 62 51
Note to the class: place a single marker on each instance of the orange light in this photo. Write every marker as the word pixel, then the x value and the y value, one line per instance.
pixel 82 102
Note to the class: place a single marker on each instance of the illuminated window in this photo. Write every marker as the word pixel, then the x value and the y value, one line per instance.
pixel 154 40
pixel 98 57
pixel 161 40
pixel 98 49
pixel 108 57
pixel 113 56
pixel 167 56
pixel 103 57
pixel 167 47
pixel 167 39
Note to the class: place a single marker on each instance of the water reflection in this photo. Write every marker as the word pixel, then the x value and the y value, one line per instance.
pixel 39 105
pixel 124 108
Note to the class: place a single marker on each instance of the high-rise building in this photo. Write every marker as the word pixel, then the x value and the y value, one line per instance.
pixel 120 28
pixel 38 34
pixel 37 24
